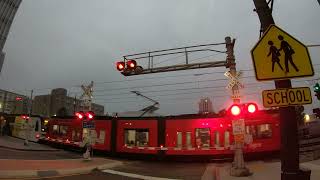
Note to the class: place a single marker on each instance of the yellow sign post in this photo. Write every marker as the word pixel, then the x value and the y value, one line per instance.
pixel 286 97
pixel 278 55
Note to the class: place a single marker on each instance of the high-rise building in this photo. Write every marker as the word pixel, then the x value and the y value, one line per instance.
pixel 13 103
pixel 58 103
pixel 8 9
pixel 205 106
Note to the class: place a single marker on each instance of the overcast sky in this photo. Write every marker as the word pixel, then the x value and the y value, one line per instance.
pixel 59 43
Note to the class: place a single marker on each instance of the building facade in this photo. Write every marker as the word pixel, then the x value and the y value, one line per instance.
pixel 205 106
pixel 13 103
pixel 59 104
pixel 8 9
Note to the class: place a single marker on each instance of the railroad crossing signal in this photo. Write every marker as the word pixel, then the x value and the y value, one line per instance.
pixel 278 55
pixel 234 80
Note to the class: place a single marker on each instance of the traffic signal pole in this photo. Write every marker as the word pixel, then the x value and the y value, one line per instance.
pixel 238 167
pixel 289 151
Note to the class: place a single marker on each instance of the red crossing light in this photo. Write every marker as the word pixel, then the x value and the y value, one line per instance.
pixel 25 117
pixel 90 115
pixel 131 64
pixel 120 66
pixel 18 98
pixel 251 108
pixel 80 115
pixel 235 110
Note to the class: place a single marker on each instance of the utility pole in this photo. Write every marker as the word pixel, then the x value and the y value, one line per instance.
pixel 289 152
pixel 26 142
pixel 238 167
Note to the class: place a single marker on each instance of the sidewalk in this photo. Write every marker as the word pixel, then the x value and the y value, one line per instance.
pixel 17 144
pixel 48 168
pixel 266 171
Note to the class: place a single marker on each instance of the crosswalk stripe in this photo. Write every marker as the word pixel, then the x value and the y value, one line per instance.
pixel 134 175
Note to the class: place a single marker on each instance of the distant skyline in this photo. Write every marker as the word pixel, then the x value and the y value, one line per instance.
pixel 63 44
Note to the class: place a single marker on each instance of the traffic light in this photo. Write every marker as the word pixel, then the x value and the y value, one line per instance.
pixel 90 115
pixel 18 98
pixel 316 89
pixel 80 115
pixel 85 116
pixel 243 109
pixel 120 65
pixel 251 108
pixel 131 64
pixel 25 117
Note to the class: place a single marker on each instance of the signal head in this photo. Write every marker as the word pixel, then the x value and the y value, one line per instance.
pixel 80 115
pixel 235 110
pixel 131 64
pixel 251 108
pixel 90 115
pixel 120 65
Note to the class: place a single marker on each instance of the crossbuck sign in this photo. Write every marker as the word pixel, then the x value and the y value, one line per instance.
pixel 234 80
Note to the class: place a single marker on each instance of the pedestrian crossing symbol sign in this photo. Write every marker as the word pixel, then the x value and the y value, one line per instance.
pixel 278 55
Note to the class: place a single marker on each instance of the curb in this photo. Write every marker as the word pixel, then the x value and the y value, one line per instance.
pixel 11 174
pixel 20 149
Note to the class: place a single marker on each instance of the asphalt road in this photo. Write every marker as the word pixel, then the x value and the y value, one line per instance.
pixel 132 170
pixel 37 155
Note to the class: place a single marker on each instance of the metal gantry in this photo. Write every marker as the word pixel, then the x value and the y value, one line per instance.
pixel 149 56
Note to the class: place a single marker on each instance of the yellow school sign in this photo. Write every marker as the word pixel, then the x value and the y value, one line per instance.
pixel 278 55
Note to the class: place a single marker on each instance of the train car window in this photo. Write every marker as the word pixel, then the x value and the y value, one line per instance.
pixel 179 139
pixel 136 137
pixel 217 139
pixel 37 126
pixel 203 137
pixel 252 129
pixel 264 131
pixel 188 139
pixel 101 138
pixel 55 129
pixel 226 138
pixel 63 130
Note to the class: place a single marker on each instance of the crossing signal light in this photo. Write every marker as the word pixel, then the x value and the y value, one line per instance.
pixel 251 108
pixel 25 117
pixel 235 110
pixel 18 98
pixel 80 115
pixel 131 64
pixel 120 65
pixel 90 115
pixel 243 109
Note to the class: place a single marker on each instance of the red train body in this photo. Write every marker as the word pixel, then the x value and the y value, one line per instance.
pixel 188 135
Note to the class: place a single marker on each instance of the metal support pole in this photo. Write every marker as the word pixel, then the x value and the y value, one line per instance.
pixel 186 52
pixel 288 121
pixel 238 168
pixel 26 142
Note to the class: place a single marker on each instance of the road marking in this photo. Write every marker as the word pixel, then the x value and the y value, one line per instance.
pixel 134 175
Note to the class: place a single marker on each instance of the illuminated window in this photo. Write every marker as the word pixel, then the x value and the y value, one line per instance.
pixel 101 138
pixel 217 139
pixel 226 138
pixel 260 131
pixel 63 130
pixel 55 129
pixel 203 137
pixel 179 139
pixel 264 131
pixel 188 139
pixel 136 137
